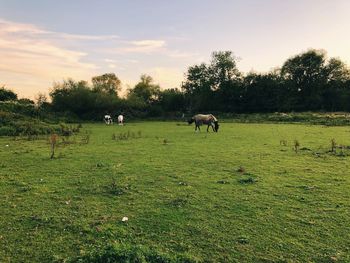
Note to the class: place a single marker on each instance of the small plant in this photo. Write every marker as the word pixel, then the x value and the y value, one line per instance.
pixel 333 146
pixel 296 146
pixel 53 143
pixel 283 142
pixel 222 182
pixel 124 136
pixel 178 202
pixel 249 180
pixel 342 153
pixel 241 169
pixel 85 138
pixel 116 189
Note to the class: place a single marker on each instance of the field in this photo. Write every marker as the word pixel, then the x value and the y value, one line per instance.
pixel 240 195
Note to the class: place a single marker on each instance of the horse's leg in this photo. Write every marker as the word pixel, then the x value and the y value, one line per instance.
pixel 208 128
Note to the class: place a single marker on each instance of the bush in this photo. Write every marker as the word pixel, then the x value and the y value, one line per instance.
pixel 12 124
pixel 7 131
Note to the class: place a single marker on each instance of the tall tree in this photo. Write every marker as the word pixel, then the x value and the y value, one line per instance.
pixel 145 90
pixel 336 93
pixel 108 83
pixel 305 74
pixel 223 68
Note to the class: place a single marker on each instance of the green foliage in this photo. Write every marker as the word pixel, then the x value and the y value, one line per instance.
pixel 145 90
pixel 309 81
pixel 19 107
pixel 129 253
pixel 7 131
pixel 107 83
pixel 12 124
pixel 7 95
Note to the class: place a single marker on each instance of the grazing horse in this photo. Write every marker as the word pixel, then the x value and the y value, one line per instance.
pixel 121 119
pixel 208 119
pixel 108 119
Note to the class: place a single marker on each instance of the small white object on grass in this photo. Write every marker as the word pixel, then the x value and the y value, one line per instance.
pixel 7 145
pixel 125 219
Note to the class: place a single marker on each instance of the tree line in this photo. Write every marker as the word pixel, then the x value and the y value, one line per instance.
pixel 305 82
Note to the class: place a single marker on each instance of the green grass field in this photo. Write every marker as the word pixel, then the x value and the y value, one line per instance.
pixel 233 196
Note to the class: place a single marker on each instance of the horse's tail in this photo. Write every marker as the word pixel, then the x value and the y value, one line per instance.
pixel 190 121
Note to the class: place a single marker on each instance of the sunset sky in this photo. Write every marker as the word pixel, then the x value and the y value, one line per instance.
pixel 46 41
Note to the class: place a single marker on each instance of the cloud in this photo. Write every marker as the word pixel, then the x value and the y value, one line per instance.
pixel 34 53
pixel 142 46
pixel 29 29
pixel 32 58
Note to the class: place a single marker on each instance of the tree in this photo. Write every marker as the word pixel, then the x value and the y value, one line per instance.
pixel 262 92
pixel 336 71
pixel 223 68
pixel 6 95
pixel 336 92
pixel 145 90
pixel 73 96
pixel 40 99
pixel 304 72
pixel 172 100
pixel 107 83
pixel 209 87
pixel 305 68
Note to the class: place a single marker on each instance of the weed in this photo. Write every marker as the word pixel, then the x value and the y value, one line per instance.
pixel 296 146
pixel 333 146
pixel 249 180
pixel 178 202
pixel 85 138
pixel 223 182
pixel 53 143
pixel 116 189
pixel 241 169
pixel 243 240
pixel 126 135
pixel 283 142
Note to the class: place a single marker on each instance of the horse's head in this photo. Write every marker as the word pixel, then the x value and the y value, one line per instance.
pixel 190 121
pixel 216 124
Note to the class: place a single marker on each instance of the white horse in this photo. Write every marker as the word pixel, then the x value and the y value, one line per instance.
pixel 207 119
pixel 121 119
pixel 108 119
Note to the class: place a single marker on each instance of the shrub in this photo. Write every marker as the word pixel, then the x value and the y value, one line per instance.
pixel 7 131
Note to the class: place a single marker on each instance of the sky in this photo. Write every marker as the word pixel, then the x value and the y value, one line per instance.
pixel 47 41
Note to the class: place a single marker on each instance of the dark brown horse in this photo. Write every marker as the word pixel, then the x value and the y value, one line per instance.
pixel 207 119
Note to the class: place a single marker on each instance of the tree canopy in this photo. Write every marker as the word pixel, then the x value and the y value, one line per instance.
pixel 309 81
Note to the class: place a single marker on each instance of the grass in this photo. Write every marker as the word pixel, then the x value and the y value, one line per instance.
pixel 238 195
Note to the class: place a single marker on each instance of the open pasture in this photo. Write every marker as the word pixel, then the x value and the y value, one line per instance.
pixel 240 195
